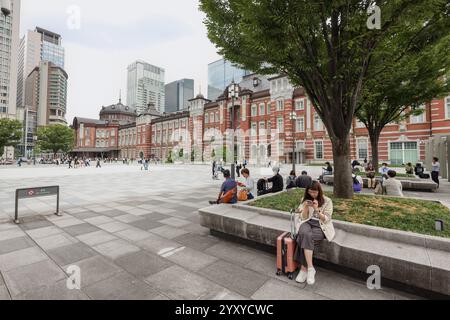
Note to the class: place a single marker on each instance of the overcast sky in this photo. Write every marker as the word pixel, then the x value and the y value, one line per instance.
pixel 113 34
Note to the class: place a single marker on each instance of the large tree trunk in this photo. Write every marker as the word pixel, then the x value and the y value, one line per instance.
pixel 374 140
pixel 343 183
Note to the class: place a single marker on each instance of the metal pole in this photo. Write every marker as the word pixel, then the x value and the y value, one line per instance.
pixel 57 203
pixel 26 133
pixel 293 144
pixel 233 168
pixel 16 216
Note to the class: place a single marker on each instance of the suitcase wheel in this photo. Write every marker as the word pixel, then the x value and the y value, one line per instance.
pixel 291 276
pixel 279 272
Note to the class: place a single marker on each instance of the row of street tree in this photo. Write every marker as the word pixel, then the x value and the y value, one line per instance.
pixel 54 138
pixel 378 61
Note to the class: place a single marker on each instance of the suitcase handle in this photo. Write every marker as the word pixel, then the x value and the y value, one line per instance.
pixel 293 233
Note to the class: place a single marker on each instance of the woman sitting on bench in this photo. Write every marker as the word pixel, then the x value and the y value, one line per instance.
pixel 316 224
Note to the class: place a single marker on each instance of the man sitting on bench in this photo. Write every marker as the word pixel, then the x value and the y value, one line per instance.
pixel 277 182
pixel 228 191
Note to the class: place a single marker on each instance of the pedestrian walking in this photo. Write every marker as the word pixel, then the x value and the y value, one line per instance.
pixel 436 168
pixel 99 165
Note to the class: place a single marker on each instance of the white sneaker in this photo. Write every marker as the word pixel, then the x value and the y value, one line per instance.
pixel 301 278
pixel 311 276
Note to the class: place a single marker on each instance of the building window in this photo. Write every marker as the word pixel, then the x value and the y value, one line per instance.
pixel 317 123
pixel 447 107
pixel 280 105
pixel 253 130
pixel 217 116
pixel 206 118
pixel 363 149
pixel 268 107
pixel 419 118
pixel 280 124
pixel 254 110
pixel 262 127
pixel 318 150
pixel 300 105
pixel 403 152
pixel 262 108
pixel 300 124
pixel 360 124
pixel 300 146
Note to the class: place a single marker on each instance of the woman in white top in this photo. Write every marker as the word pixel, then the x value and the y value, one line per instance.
pixel 315 214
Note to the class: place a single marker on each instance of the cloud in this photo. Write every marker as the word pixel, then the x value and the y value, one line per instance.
pixel 113 34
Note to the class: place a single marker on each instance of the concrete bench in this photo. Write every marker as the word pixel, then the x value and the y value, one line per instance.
pixel 407 183
pixel 411 260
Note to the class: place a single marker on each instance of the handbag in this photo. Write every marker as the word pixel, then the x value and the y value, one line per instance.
pixel 228 196
pixel 243 195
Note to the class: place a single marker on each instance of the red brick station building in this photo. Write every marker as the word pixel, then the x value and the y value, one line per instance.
pixel 271 119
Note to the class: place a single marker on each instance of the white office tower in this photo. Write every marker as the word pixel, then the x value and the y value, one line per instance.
pixel 36 46
pixel 9 48
pixel 146 84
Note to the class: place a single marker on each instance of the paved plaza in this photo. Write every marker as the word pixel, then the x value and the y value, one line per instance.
pixel 136 235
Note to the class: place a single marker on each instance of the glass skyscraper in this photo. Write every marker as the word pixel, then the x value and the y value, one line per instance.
pixel 145 85
pixel 51 51
pixel 178 93
pixel 220 74
pixel 9 47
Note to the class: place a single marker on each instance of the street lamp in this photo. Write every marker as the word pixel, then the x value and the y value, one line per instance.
pixel 6 8
pixel 233 92
pixel 293 117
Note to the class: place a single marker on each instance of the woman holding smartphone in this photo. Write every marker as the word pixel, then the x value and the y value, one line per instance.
pixel 315 215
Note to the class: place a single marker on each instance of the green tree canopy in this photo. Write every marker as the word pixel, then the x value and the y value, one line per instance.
pixel 56 138
pixel 10 133
pixel 324 46
pixel 397 88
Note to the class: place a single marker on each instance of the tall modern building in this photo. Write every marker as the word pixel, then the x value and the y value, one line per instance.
pixel 178 93
pixel 145 85
pixel 36 46
pixel 220 75
pixel 46 94
pixel 9 47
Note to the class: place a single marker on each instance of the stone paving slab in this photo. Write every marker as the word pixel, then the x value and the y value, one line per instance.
pixel 56 291
pixel 115 249
pixel 11 245
pixel 277 290
pixel 168 232
pixel 236 278
pixel 20 258
pixel 71 253
pixel 27 278
pixel 96 238
pixel 192 259
pixel 55 241
pixel 44 232
pixel 95 269
pixel 180 284
pixel 142 264
pixel 81 229
pixel 133 234
pixel 121 287
pixel 146 224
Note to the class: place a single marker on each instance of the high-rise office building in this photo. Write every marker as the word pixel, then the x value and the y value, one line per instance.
pixel 220 74
pixel 46 93
pixel 9 47
pixel 36 46
pixel 178 93
pixel 145 85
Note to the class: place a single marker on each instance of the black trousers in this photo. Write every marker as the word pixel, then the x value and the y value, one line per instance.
pixel 435 176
